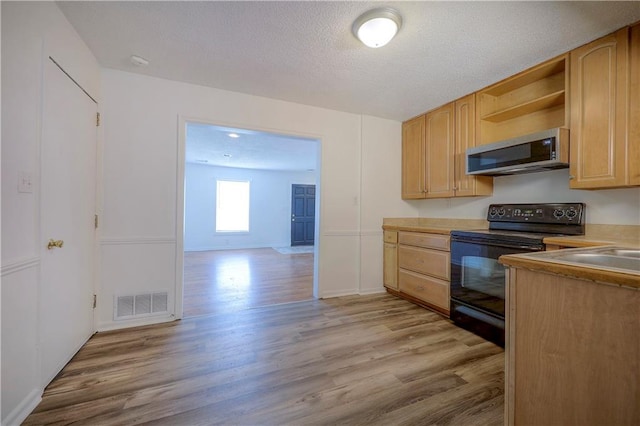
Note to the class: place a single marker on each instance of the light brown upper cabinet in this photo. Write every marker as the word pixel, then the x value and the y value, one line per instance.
pixel 604 112
pixel 433 153
pixel 465 136
pixel 413 171
pixel 528 102
pixel 634 107
pixel 440 152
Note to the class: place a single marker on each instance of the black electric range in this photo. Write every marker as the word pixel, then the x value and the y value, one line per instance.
pixel 478 280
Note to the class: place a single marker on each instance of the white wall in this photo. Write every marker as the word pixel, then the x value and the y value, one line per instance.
pixel 270 207
pixel 30 33
pixel 140 161
pixel 380 177
pixel 605 206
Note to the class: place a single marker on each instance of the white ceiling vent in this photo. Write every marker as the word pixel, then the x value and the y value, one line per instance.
pixel 140 305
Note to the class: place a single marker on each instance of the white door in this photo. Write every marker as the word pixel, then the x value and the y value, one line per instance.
pixel 68 176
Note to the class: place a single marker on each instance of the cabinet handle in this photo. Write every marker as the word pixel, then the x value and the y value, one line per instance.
pixel 571 177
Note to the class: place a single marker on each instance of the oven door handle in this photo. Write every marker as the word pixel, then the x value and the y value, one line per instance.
pixel 531 247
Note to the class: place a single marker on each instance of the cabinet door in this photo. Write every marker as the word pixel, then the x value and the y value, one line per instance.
pixel 413 158
pixel 440 149
pixel 465 137
pixel 390 266
pixel 598 112
pixel 634 107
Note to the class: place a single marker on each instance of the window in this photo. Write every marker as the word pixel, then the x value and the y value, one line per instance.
pixel 232 206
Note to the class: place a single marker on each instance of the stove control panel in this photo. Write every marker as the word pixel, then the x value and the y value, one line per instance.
pixel 559 213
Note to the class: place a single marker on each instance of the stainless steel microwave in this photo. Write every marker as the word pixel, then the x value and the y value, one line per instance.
pixel 546 150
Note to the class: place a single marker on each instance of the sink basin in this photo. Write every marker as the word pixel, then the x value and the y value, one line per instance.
pixel 624 253
pixel 609 261
pixel 617 258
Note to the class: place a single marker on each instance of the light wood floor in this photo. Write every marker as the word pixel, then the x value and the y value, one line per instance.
pixel 357 360
pixel 228 280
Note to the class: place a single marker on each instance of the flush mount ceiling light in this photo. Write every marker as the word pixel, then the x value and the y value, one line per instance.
pixel 234 135
pixel 139 61
pixel 377 27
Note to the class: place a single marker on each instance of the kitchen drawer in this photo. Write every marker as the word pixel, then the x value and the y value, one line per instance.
pixel 419 239
pixel 391 237
pixel 427 289
pixel 425 261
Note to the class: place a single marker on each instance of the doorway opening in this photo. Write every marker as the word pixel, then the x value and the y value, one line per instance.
pixel 237 245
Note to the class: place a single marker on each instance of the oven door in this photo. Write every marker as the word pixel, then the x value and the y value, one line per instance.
pixel 477 279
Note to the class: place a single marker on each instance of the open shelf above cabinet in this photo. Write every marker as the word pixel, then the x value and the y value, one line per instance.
pixel 553 67
pixel 535 97
pixel 548 101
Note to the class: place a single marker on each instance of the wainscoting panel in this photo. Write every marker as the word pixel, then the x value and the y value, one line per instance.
pixel 339 263
pixel 371 254
pixel 21 390
pixel 134 266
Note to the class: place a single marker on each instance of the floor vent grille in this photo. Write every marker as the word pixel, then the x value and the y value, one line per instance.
pixel 140 305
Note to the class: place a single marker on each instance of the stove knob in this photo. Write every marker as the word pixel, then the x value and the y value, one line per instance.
pixel 493 212
pixel 571 213
pixel 558 213
pixel 501 212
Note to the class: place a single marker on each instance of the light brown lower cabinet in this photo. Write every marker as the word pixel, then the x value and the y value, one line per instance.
pixel 422 269
pixel 425 288
pixel 390 260
pixel 573 351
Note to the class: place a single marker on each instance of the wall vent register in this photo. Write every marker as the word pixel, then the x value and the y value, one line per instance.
pixel 140 305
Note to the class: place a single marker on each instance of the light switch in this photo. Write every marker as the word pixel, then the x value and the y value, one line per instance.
pixel 25 182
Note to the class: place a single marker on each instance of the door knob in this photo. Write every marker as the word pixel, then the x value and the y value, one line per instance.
pixel 54 243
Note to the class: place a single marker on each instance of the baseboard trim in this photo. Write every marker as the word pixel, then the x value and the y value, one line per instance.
pixel 364 292
pixel 332 294
pixel 119 325
pixel 379 290
pixel 22 411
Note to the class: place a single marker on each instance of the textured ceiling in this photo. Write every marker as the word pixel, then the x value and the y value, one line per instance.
pixel 304 52
pixel 212 145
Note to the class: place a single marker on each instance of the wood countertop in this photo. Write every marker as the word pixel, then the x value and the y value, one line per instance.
pixel 595 235
pixel 432 225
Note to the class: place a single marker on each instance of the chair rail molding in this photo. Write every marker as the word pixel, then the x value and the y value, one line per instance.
pixel 18 265
pixel 116 241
